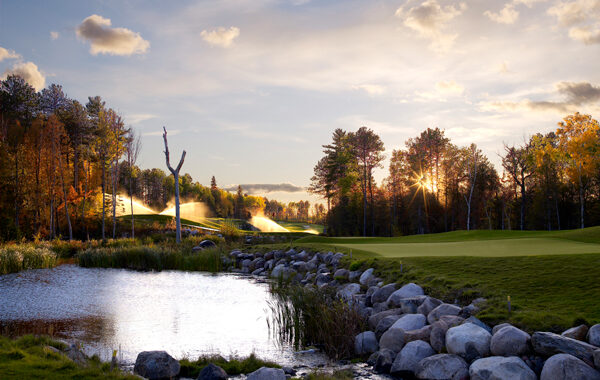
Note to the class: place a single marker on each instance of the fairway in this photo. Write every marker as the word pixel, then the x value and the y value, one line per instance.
pixel 484 248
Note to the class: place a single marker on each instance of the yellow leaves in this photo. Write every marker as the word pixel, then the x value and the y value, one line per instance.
pixel 579 142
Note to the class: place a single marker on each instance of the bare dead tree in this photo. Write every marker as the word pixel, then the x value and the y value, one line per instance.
pixel 132 146
pixel 175 173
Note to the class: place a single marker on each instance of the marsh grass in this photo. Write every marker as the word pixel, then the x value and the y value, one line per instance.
pixel 233 366
pixel 343 374
pixel 314 317
pixel 16 258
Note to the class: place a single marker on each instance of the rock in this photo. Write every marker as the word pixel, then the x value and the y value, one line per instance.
pixel 510 341
pixel 212 372
pixel 451 320
pixel 323 278
pixel 593 335
pixel 567 367
pixel 74 352
pixel 423 333
pixel 379 307
pixel 384 361
pixel 382 294
pixel 156 365
pixel 405 363
pixel 597 359
pixel 385 324
pixel 469 341
pixel 410 305
pixel 477 322
pixel 443 309
pixel 377 317
pixel 365 343
pixel 410 322
pixel 501 368
pixel 353 276
pixel 393 339
pixel 246 263
pixel 578 333
pixel 428 304
pixel 300 266
pixel 204 244
pixel 373 358
pixel 258 272
pixel 348 291
pixel 265 373
pixel 498 327
pixel 548 344
pixel 341 273
pixel 289 371
pixel 442 367
pixel 366 276
pixel 409 290
pixel 437 336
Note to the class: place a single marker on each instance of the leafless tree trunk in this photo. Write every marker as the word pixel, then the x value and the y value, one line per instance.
pixel 175 173
pixel 473 179
pixel 133 146
pixel 64 187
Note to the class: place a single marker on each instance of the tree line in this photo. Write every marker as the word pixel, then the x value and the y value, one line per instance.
pixel 63 164
pixel 550 181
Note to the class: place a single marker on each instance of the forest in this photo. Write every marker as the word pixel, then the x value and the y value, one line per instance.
pixel 549 182
pixel 59 156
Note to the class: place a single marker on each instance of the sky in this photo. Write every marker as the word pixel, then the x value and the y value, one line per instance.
pixel 252 89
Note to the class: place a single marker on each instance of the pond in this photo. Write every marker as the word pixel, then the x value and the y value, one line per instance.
pixel 184 313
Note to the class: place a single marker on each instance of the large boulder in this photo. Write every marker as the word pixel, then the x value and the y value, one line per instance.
pixel 442 367
pixel 341 274
pixel 469 341
pixel 323 279
pixel 510 341
pixel 382 294
pixel 421 334
pixel 578 333
pixel 405 363
pixel 501 368
pixel 497 328
pixel 212 372
pixel 265 373
pixel 410 305
pixel 385 324
pixel 437 336
pixel 366 276
pixel 597 359
pixel 156 365
pixel 348 291
pixel 567 367
pixel 548 344
pixel 593 335
pixel 409 290
pixel 365 343
pixel 410 322
pixel 479 323
pixel 384 361
pixel 443 309
pixel 428 304
pixel 393 339
pixel 377 317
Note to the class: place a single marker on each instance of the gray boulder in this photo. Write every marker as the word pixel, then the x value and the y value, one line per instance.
pixel 597 359
pixel 379 307
pixel 496 328
pixel 510 341
pixel 348 291
pixel 548 344
pixel 442 367
pixel 156 365
pixel 410 322
pixel 437 336
pixel 393 339
pixel 385 324
pixel 382 294
pixel 409 290
pixel 384 361
pixel 300 266
pixel 354 276
pixel 501 368
pixel 428 304
pixel 567 367
pixel 377 317
pixel 421 334
pixel 265 373
pixel 212 372
pixel 593 335
pixel 443 309
pixel 405 363
pixel 469 341
pixel 341 273
pixel 365 343
pixel 479 323
pixel 366 276
pixel 322 279
pixel 410 305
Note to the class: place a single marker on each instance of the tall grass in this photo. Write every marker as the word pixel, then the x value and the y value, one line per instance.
pixel 315 317
pixel 22 257
pixel 233 366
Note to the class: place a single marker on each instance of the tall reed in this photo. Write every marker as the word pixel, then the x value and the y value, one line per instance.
pixel 22 257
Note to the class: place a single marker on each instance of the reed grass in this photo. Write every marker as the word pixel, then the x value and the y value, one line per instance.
pixel 233 366
pixel 22 257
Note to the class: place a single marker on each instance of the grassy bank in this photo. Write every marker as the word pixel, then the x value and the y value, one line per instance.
pixel 233 366
pixel 37 358
pixel 552 284
pixel 15 258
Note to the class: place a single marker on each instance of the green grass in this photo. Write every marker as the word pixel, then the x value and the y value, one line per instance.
pixel 344 374
pixel 300 227
pixel 233 366
pixel 552 277
pixel 30 357
pixel 15 258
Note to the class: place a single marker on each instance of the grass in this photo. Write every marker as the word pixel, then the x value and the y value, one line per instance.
pixel 15 258
pixel 233 366
pixel 30 357
pixel 551 277
pixel 344 374
pixel 300 227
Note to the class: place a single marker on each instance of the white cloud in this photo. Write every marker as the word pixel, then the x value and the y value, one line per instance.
pixel 54 35
pixel 172 132
pixel 449 88
pixel 28 71
pixel 508 14
pixel 528 3
pixel 137 118
pixel 582 17
pixel 7 54
pixel 220 37
pixel 502 68
pixel 106 40
pixel 430 20
pixel 371 89
pixel 587 34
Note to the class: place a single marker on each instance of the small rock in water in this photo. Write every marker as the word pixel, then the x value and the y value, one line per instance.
pixel 156 365
pixel 212 372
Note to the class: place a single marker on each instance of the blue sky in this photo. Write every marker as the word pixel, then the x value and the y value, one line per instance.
pixel 253 88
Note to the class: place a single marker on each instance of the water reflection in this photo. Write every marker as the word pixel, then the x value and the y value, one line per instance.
pixel 186 314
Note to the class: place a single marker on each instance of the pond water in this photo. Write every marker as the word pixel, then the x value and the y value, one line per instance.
pixel 184 313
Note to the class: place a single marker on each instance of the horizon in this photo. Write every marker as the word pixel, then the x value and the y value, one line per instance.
pixel 267 82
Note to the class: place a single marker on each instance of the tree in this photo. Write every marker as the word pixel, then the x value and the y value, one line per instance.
pixel 133 145
pixel 472 158
pixel 175 173
pixel 519 164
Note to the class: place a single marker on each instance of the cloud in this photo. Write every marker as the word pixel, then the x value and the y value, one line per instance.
pixel 528 3
pixel 7 54
pixel 502 68
pixel 508 14
pixel 449 88
pixel 220 37
pixel 137 118
pixel 172 132
pixel 54 35
pixel 582 17
pixel 371 89
pixel 106 40
pixel 28 71
pixel 430 20
pixel 580 92
pixel 261 188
